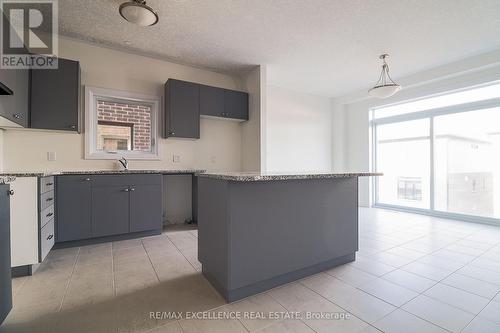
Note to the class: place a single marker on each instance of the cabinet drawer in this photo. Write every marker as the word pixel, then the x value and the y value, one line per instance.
pixel 46 215
pixel 46 239
pixel 46 200
pixel 46 184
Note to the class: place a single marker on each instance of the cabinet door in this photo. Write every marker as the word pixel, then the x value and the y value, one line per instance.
pixel 182 109
pixel 110 210
pixel 5 273
pixel 54 97
pixel 236 104
pixel 15 107
pixel 211 101
pixel 73 204
pixel 145 207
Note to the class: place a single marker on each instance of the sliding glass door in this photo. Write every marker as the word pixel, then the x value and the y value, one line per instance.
pixel 403 153
pixel 444 161
pixel 467 163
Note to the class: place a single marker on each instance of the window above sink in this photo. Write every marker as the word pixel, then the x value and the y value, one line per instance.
pixel 120 123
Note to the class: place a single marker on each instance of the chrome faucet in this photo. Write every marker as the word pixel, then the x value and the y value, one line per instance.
pixel 124 162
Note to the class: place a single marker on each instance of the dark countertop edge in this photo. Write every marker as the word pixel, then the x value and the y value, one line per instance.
pixel 99 172
pixel 255 178
pixel 6 179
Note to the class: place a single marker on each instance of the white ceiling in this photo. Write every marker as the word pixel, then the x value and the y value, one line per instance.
pixel 324 47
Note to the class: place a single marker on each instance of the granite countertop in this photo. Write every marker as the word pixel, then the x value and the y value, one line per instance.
pixel 6 179
pixel 29 173
pixel 259 176
pixel 99 172
pixel 121 172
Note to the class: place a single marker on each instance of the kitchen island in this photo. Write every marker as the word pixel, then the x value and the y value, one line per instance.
pixel 257 231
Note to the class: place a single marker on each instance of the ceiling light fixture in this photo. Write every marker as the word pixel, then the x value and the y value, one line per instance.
pixel 385 86
pixel 137 12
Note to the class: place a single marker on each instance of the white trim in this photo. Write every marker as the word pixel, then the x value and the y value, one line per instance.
pixel 90 124
pixel 464 107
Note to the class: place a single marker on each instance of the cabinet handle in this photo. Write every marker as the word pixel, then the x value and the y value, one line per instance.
pixel 72 126
pixel 126 190
pixel 49 214
pixel 49 199
pixel 87 179
pixel 49 184
pixel 50 237
pixel 172 133
pixel 17 116
pixel 10 192
pixel 132 189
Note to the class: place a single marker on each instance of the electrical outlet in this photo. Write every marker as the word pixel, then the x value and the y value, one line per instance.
pixel 176 158
pixel 51 156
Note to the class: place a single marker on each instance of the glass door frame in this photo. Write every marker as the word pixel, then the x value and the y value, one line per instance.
pixel 426 114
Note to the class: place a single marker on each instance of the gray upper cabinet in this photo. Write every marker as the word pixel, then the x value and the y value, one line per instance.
pixel 55 97
pixel 236 104
pixel 211 101
pixel 73 201
pixel 15 107
pixel 182 109
pixel 218 102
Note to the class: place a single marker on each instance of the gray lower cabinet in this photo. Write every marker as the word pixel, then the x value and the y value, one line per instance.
pixel 110 210
pixel 73 201
pixel 182 109
pixel 92 206
pixel 55 97
pixel 5 272
pixel 145 207
pixel 15 107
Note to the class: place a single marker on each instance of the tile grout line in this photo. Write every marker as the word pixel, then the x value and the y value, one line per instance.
pixel 422 293
pixel 69 280
pixel 330 301
pixel 150 261
pixel 182 252
pixel 477 315
pixel 418 294
pixel 284 307
pixel 113 270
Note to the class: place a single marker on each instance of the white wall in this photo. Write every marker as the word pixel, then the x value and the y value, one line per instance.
pixel 103 67
pixel 355 107
pixel 253 130
pixel 299 131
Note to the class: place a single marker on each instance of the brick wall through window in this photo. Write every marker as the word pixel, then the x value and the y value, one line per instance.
pixel 135 115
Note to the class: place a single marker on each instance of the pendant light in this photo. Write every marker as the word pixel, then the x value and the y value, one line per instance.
pixel 137 12
pixel 385 86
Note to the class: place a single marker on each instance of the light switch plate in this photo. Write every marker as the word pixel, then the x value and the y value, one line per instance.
pixel 51 156
pixel 176 158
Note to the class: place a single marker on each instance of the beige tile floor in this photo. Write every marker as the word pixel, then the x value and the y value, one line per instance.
pixel 412 274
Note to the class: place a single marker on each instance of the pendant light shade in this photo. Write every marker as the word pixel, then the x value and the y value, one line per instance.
pixel 137 12
pixel 385 86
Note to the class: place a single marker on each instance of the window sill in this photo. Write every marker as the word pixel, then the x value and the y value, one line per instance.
pixel 118 155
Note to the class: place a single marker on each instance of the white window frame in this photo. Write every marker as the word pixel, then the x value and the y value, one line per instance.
pixel 91 151
pixel 426 114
